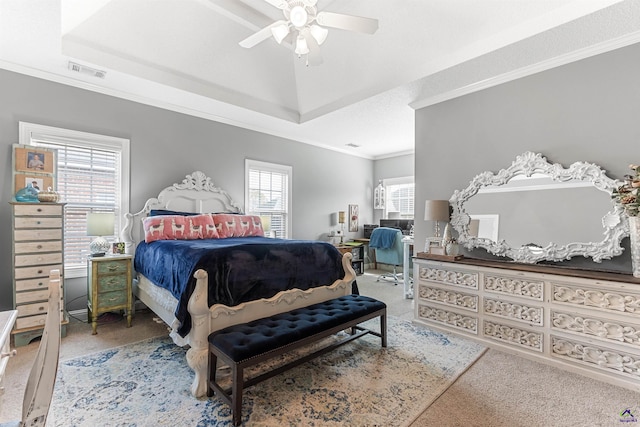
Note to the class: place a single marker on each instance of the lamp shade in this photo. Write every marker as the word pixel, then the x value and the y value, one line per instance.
pixel 100 224
pixel 341 217
pixel 436 210
pixel 474 226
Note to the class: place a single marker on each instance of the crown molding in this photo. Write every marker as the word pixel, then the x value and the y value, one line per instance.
pixel 558 61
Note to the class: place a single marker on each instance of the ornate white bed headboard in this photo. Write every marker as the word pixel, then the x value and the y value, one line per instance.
pixel 196 193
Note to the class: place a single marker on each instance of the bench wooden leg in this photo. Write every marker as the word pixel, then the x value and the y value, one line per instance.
pixel 383 329
pixel 236 394
pixel 213 369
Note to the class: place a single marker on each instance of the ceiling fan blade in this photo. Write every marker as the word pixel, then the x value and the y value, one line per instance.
pixel 348 22
pixel 314 57
pixel 260 36
pixel 280 4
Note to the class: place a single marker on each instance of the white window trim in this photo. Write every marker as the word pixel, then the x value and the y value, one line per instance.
pixel 32 131
pixel 273 167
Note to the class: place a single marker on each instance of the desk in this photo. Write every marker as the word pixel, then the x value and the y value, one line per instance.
pixel 7 320
pixel 407 247
pixel 367 257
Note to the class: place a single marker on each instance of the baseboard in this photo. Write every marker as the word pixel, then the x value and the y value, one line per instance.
pixel 83 314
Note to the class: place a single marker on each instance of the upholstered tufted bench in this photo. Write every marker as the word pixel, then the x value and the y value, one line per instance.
pixel 242 346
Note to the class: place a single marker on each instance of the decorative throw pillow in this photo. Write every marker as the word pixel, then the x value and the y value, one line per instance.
pixel 179 227
pixel 233 225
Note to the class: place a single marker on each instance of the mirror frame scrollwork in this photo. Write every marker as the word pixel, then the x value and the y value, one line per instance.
pixel 615 223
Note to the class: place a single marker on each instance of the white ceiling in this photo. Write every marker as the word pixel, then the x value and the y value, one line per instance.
pixel 184 55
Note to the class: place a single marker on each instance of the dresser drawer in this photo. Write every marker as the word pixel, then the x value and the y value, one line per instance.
pixel 38 210
pixel 38 259
pixel 35 272
pixel 112 283
pixel 32 296
pixel 112 299
pixel 34 321
pixel 32 284
pixel 38 247
pixel 37 235
pixel 32 309
pixel 113 267
pixel 44 222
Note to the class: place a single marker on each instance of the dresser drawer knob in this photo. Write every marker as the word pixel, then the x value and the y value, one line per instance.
pixel 40 283
pixel 9 354
pixel 113 268
pixel 39 209
pixel 40 271
pixel 40 308
pixel 39 246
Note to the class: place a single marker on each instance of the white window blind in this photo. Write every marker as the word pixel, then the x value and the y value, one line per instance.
pixel 400 200
pixel 90 177
pixel 267 194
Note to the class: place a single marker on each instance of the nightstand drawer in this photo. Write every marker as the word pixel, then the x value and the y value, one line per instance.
pixel 112 299
pixel 111 283
pixel 113 267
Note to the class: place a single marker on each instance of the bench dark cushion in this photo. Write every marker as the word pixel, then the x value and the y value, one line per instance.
pixel 241 342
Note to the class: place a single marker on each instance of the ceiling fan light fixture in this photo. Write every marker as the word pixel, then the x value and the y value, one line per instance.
pixel 298 16
pixel 318 33
pixel 301 46
pixel 279 32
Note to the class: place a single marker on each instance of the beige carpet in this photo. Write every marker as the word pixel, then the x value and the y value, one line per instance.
pixel 498 390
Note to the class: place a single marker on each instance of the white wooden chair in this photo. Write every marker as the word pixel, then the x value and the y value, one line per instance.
pixel 42 378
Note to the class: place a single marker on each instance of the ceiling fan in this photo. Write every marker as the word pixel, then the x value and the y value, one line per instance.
pixel 306 26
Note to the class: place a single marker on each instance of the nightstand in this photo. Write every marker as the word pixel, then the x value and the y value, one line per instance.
pixel 109 286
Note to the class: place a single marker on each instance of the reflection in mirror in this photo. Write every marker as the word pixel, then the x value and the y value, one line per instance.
pixel 535 211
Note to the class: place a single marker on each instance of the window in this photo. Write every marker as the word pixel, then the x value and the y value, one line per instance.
pixel 268 194
pixel 400 197
pixel 92 175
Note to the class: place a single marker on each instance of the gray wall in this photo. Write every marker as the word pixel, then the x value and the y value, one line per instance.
pixel 584 111
pixel 165 146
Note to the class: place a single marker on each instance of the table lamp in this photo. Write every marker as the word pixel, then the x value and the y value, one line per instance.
pixel 100 225
pixel 436 210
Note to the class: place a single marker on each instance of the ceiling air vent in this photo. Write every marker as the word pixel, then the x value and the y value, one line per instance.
pixel 352 145
pixel 83 69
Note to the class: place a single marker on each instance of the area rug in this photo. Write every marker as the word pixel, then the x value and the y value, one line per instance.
pixel 359 384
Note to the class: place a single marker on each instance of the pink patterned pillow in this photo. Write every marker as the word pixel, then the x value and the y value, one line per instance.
pixel 238 225
pixel 179 227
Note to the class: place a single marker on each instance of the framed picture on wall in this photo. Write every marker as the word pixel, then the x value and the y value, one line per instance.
pixel 35 166
pixel 353 217
pixel 39 182
pixel 33 160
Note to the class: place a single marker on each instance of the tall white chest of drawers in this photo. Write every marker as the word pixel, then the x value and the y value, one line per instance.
pixel 583 322
pixel 37 249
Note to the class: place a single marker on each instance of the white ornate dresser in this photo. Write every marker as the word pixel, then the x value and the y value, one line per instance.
pixel 581 321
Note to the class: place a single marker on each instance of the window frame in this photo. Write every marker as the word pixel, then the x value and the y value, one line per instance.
pixel 28 132
pixel 251 164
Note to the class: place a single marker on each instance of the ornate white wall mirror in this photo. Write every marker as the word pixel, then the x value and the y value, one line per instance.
pixel 542 212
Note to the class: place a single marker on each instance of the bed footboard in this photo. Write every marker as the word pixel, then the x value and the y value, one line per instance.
pixel 208 319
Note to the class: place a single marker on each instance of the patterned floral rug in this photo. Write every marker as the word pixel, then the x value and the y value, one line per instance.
pixel 358 384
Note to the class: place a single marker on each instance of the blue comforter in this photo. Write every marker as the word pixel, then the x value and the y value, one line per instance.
pixel 240 269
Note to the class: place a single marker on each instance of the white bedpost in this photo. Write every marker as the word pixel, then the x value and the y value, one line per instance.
pixel 198 354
